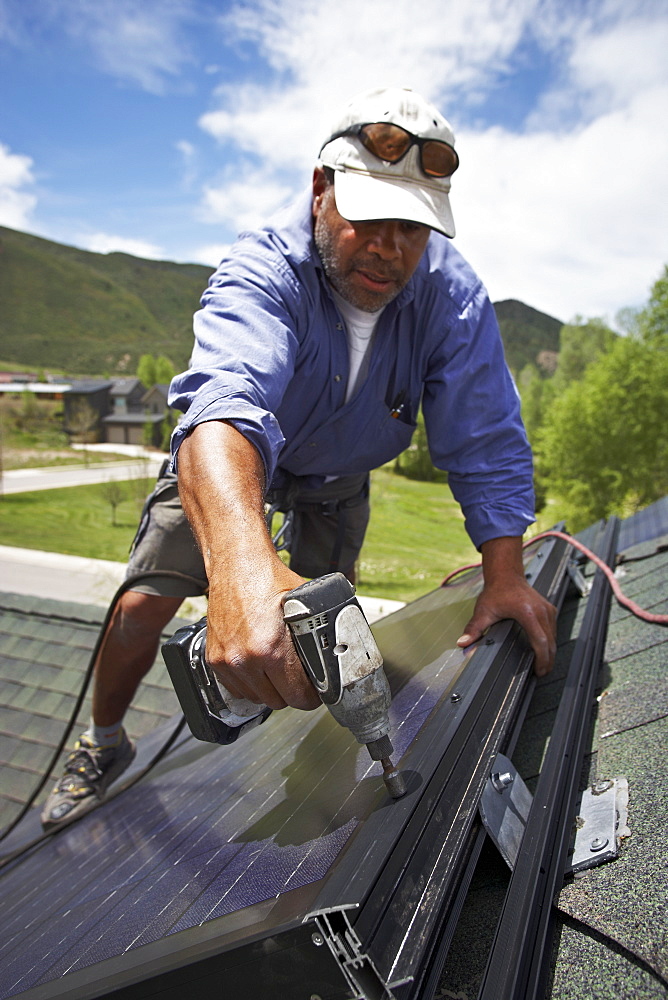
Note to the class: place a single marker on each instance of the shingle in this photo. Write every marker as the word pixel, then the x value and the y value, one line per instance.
pixel 588 967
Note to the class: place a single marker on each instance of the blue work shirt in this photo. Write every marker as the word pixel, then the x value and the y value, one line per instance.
pixel 271 358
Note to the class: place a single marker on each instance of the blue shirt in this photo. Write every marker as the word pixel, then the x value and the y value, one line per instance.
pixel 271 358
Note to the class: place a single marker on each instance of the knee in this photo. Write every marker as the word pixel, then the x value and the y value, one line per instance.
pixel 144 614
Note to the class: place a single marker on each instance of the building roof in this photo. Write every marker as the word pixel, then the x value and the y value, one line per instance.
pixel 125 386
pixel 213 835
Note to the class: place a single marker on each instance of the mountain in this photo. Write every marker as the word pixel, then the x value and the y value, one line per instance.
pixel 96 314
pixel 92 313
pixel 526 334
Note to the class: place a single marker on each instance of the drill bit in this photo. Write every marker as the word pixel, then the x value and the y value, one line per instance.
pixel 393 779
pixel 382 750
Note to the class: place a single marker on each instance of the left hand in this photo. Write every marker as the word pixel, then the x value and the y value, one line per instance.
pixel 507 594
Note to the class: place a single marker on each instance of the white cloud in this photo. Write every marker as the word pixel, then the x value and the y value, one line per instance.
pixel 16 203
pixel 141 41
pixel 567 223
pixel 108 243
pixel 566 212
pixel 210 254
pixel 326 53
pixel 244 200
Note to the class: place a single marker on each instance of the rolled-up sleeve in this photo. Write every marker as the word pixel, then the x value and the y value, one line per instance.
pixel 244 353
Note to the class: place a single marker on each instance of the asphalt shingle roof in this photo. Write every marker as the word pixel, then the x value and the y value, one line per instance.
pixel 45 647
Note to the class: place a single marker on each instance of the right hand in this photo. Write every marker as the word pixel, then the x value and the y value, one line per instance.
pixel 249 646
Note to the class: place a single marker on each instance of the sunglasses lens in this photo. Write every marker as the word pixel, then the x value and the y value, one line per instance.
pixel 438 159
pixel 389 142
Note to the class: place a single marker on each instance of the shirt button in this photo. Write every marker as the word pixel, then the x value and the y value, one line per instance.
pixel 312 444
pixel 339 326
pixel 337 378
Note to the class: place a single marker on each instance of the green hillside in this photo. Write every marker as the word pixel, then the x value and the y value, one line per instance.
pixel 96 314
pixel 525 332
pixel 92 313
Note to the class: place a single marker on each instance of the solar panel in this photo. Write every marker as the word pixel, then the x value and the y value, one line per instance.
pixel 217 834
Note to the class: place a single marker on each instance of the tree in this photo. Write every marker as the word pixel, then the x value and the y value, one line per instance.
pixel 653 320
pixel 114 493
pixel 164 371
pixel 82 421
pixel 580 344
pixel 146 370
pixel 155 371
pixel 415 462
pixel 603 447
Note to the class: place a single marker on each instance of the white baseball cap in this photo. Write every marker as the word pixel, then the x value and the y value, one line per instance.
pixel 414 184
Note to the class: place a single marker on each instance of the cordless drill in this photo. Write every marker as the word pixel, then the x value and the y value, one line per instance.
pixel 338 652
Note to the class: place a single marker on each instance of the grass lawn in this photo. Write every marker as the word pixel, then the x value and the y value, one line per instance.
pixel 77 521
pixel 415 537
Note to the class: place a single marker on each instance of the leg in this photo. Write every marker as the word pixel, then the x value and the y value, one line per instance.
pixel 164 545
pixel 128 652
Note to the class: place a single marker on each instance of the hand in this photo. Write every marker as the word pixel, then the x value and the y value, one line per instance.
pixel 249 646
pixel 507 594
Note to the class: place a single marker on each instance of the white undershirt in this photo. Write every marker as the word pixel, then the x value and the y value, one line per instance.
pixel 360 328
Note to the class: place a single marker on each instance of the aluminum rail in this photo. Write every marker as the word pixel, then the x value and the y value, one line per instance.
pixel 407 890
pixel 516 967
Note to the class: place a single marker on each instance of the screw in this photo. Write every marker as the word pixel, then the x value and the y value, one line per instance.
pixel 598 844
pixel 501 781
pixel 601 786
pixel 317 939
pixel 315 996
pixel 455 697
pixel 489 642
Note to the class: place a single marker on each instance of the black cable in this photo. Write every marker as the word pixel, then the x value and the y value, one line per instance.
pixel 127 584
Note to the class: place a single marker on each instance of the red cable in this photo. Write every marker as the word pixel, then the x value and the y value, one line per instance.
pixel 626 602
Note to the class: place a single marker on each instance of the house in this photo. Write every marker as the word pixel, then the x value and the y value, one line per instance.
pixel 154 399
pixel 279 867
pixel 121 411
pixel 127 396
pixel 85 405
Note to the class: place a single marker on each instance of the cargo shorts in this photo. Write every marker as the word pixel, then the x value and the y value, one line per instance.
pixel 327 532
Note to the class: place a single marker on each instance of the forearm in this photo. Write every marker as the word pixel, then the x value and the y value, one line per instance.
pixel 501 559
pixel 221 480
pixel 221 484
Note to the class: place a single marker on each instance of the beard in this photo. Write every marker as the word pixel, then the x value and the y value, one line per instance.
pixel 341 274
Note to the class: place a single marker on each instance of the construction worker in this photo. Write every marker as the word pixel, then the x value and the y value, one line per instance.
pixel 319 337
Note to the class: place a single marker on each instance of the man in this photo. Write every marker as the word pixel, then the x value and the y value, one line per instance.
pixel 319 337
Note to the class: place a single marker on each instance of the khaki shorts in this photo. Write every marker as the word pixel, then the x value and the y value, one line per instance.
pixel 328 522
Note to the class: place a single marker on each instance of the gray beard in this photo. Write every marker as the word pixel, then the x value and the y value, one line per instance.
pixel 367 301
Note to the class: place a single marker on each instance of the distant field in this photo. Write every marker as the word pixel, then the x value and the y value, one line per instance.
pixel 416 534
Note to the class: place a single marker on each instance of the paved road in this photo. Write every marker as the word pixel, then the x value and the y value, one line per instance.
pixel 57 476
pixel 94 581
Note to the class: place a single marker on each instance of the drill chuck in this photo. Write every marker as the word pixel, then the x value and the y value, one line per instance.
pixel 339 653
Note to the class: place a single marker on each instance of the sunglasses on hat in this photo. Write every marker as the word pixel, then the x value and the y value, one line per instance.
pixel 391 142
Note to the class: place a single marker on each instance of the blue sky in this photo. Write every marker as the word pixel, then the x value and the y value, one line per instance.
pixel 162 127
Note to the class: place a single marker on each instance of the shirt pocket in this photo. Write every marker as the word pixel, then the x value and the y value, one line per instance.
pixel 357 439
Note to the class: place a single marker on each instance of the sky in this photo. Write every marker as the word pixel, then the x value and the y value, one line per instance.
pixel 162 128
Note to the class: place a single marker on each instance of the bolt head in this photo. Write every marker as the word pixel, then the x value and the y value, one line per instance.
pixel 317 939
pixel 598 844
